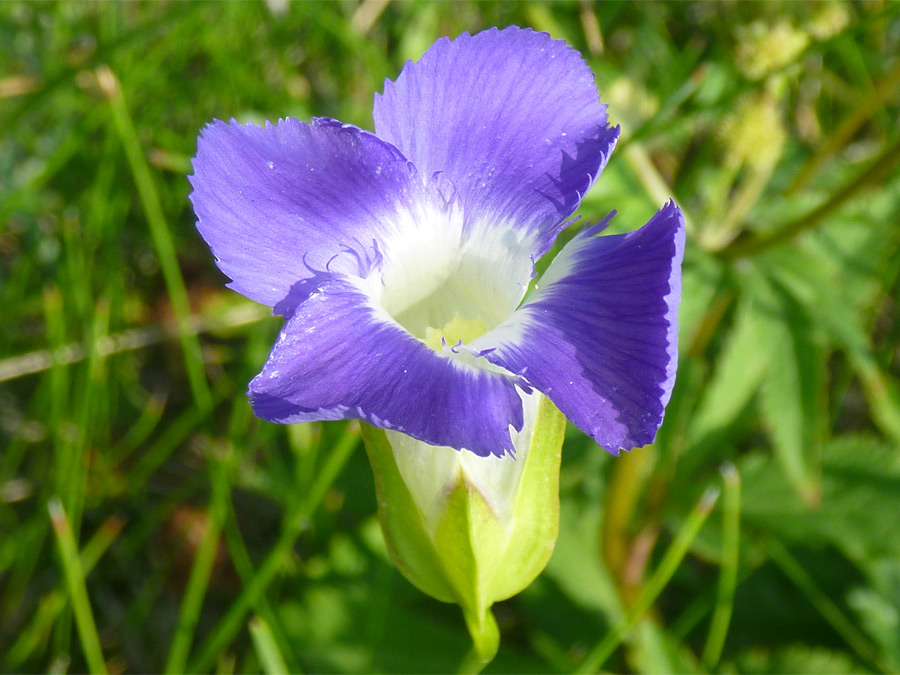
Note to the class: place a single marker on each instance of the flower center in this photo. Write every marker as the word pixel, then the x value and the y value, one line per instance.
pixel 456 331
pixel 440 280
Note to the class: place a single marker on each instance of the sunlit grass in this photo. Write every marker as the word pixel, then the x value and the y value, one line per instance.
pixel 185 535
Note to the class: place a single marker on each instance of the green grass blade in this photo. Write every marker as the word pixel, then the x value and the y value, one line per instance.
pixel 50 606
pixel 201 571
pixel 826 607
pixel 654 586
pixel 244 567
pixel 74 575
pixel 30 637
pixel 294 525
pixel 266 647
pixel 731 524
pixel 167 442
pixel 162 238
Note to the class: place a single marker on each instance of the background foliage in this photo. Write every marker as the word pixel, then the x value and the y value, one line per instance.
pixel 148 521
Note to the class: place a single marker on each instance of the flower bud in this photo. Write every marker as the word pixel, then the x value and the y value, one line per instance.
pixel 467 529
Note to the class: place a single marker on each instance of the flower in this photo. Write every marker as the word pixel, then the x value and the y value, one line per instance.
pixel 400 259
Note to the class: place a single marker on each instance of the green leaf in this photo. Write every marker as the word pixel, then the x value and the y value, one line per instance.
pixel 701 288
pixel 879 617
pixel 790 398
pixel 738 373
pixel 740 368
pixel 859 510
pixel 797 659
pixel 837 314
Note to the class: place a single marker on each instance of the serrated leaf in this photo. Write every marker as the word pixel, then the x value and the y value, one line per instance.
pixel 739 371
pixel 798 658
pixel 860 508
pixel 837 315
pixel 879 618
pixel 701 287
pixel 790 394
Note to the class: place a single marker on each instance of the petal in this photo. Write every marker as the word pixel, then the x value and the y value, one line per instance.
pixel 273 201
pixel 431 472
pixel 340 356
pixel 600 336
pixel 512 118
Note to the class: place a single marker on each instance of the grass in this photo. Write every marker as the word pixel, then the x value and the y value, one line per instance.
pixel 148 522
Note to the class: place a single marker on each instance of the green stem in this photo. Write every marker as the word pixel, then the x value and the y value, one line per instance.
pixel 860 115
pixel 747 194
pixel 627 483
pixel 871 177
pixel 657 582
pixel 643 168
pixel 485 641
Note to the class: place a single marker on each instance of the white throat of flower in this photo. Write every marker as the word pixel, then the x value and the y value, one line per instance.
pixel 438 272
pixel 448 282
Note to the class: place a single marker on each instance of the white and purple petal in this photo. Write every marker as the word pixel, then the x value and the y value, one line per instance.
pixel 341 356
pixel 511 118
pixel 274 201
pixel 599 337
pixel 369 244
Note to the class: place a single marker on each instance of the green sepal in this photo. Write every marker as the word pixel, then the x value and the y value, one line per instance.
pixel 402 524
pixel 534 526
pixel 470 556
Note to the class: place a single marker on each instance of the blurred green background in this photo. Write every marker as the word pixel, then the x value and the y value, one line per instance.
pixel 149 522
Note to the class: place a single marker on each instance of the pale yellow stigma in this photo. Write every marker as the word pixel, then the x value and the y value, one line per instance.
pixel 456 330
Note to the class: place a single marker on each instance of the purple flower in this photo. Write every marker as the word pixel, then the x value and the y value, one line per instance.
pixel 400 259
